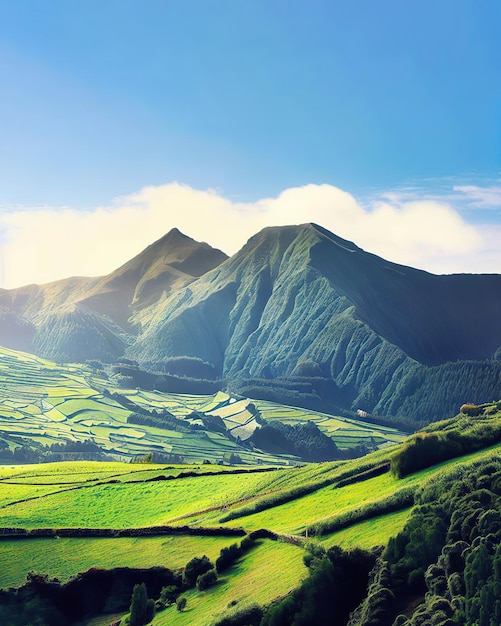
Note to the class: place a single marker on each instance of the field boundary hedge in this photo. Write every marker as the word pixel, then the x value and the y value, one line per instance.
pixel 116 533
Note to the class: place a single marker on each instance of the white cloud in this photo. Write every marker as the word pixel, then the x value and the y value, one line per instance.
pixel 482 197
pixel 44 244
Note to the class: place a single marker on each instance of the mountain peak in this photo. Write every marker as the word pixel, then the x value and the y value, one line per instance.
pixel 181 252
pixel 173 237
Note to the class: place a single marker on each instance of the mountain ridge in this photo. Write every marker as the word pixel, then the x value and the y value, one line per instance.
pixel 96 303
pixel 298 311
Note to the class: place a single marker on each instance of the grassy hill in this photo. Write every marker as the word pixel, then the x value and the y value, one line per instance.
pixel 63 518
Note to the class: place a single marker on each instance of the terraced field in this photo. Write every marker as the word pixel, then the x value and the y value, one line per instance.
pixel 42 403
pixel 345 432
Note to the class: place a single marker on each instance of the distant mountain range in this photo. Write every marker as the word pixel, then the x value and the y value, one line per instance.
pixel 298 315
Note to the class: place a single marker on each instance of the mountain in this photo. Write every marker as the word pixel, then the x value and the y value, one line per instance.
pixel 304 316
pixel 96 318
pixel 298 315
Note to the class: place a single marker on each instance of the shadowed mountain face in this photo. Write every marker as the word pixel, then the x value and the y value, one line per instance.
pixel 299 306
pixel 298 315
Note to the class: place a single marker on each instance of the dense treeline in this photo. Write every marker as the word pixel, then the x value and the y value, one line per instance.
pixel 164 420
pixel 127 375
pixel 426 394
pixel 304 440
pixel 68 451
pixel 415 396
pixel 46 601
pixel 444 568
pixel 143 531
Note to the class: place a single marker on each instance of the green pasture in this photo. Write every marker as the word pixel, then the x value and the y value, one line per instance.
pixel 81 472
pixel 131 504
pixel 267 572
pixel 298 515
pixel 369 533
pixel 328 502
pixel 66 557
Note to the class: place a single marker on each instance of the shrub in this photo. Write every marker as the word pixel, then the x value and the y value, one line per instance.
pixel 471 409
pixel 249 616
pixel 227 557
pixel 181 603
pixel 206 580
pixel 247 543
pixel 195 568
pixel 168 595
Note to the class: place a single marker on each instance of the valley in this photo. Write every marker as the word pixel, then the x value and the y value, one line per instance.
pixel 42 404
pixel 272 438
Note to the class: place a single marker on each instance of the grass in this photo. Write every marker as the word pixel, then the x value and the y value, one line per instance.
pixel 370 533
pixel 296 516
pixel 68 496
pixel 127 505
pixel 263 574
pixel 66 557
pixel 267 572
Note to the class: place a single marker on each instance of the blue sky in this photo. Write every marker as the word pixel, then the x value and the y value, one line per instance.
pixel 391 100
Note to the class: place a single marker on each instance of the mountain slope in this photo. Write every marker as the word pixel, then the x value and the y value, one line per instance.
pixel 80 318
pixel 300 303
pixel 298 315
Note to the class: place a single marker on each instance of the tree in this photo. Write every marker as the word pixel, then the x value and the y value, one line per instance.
pixel 227 556
pixel 168 594
pixel 181 603
pixel 142 610
pixel 195 568
pixel 206 580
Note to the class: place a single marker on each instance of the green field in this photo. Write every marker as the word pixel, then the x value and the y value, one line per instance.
pixel 117 495
pixel 269 571
pixel 42 403
pixel 187 510
pixel 370 533
pixel 66 557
